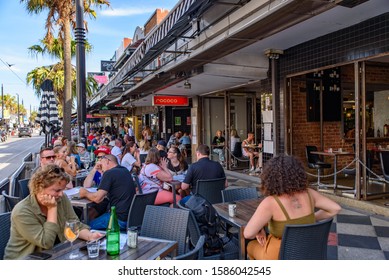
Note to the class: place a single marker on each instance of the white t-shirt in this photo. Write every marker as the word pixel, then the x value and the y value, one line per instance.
pixel 148 178
pixel 116 151
pixel 234 140
pixel 128 161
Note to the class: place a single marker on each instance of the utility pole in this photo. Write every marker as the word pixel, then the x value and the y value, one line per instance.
pixel 2 104
pixel 18 111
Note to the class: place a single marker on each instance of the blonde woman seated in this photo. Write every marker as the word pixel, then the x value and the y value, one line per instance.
pixel 38 221
pixel 152 176
pixel 68 163
pixel 131 157
pixel 289 201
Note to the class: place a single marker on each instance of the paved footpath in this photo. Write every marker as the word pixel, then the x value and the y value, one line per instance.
pixel 355 234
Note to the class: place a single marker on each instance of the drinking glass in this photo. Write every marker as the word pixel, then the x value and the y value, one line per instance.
pixel 72 229
pixel 86 164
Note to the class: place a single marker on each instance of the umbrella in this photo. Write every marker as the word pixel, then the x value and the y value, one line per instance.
pixel 48 111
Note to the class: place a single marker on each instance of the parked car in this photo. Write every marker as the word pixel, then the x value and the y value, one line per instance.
pixel 24 131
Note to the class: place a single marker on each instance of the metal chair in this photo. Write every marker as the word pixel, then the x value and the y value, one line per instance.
pixel 315 162
pixel 230 194
pixel 10 201
pixel 211 189
pixel 138 207
pixel 5 226
pixel 23 191
pixel 305 242
pixel 196 253
pixel 230 249
pixel 384 158
pixel 136 182
pixel 166 223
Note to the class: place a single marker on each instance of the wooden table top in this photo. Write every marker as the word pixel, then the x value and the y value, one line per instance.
pixel 244 211
pixel 148 249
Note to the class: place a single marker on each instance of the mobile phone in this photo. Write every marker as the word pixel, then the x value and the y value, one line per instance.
pixel 40 256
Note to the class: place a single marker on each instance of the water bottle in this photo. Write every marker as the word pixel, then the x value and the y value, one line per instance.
pixel 113 234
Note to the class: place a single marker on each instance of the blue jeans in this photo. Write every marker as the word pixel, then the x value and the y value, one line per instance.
pixel 101 222
pixel 220 153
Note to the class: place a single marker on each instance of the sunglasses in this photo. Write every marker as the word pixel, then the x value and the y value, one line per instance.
pixel 100 157
pixel 57 170
pixel 50 157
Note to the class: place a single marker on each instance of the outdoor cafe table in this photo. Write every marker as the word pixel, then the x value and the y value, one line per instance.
pixel 244 211
pixel 147 249
pixel 83 203
pixel 334 154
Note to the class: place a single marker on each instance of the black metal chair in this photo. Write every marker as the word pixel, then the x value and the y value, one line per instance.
pixel 5 226
pixel 166 223
pixel 10 201
pixel 196 253
pixel 316 162
pixel 305 242
pixel 138 208
pixel 230 194
pixel 136 182
pixel 211 189
pixel 24 191
pixel 230 249
pixel 384 158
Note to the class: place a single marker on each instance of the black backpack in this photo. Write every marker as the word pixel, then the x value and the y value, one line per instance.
pixel 209 223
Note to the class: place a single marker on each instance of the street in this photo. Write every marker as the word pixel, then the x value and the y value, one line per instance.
pixel 14 150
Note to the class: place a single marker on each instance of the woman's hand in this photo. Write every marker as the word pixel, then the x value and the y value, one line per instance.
pixel 46 200
pixel 261 237
pixel 95 235
pixel 163 163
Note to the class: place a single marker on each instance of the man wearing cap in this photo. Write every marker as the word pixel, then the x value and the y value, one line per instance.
pixel 161 146
pixel 94 175
pixel 116 184
pixel 83 153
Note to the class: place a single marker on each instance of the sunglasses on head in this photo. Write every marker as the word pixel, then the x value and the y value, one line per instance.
pixel 57 170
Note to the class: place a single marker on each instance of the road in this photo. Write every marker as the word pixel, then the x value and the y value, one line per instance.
pixel 14 150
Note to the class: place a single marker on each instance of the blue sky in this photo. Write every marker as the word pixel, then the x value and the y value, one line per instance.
pixel 20 30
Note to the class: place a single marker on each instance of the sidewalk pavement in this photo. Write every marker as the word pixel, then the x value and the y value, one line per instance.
pixel 357 232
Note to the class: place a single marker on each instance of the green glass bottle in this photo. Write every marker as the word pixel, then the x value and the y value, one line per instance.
pixel 113 234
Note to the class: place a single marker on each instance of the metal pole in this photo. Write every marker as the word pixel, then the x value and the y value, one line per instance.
pixel 80 61
pixel 2 104
pixel 18 111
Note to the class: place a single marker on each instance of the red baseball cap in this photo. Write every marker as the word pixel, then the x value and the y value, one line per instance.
pixel 103 149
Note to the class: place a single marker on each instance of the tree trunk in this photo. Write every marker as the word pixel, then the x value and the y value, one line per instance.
pixel 67 107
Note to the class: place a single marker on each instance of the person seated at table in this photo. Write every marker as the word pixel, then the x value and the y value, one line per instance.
pixel 161 146
pixel 152 176
pixel 288 201
pixel 218 146
pixel 234 138
pixel 38 221
pixel 83 153
pixel 203 169
pixel 68 163
pixel 131 159
pixel 248 150
pixel 72 151
pixel 177 165
pixel 117 185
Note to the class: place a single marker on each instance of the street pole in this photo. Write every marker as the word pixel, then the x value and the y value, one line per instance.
pixel 2 104
pixel 18 111
pixel 81 72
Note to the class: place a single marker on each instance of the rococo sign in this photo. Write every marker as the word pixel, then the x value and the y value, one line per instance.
pixel 170 100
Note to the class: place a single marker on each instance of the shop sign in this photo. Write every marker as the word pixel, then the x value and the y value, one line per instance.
pixel 113 112
pixel 170 100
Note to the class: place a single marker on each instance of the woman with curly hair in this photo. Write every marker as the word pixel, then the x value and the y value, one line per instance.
pixel 38 221
pixel 288 201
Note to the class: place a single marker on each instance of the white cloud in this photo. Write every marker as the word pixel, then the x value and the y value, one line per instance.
pixel 126 12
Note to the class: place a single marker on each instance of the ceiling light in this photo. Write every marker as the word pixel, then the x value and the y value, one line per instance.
pixel 187 85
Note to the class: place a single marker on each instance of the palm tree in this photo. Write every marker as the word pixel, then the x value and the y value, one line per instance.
pixel 55 72
pixel 61 13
